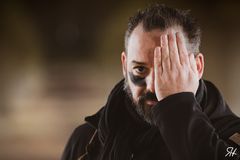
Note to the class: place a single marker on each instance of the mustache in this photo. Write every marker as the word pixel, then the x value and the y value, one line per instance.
pixel 148 96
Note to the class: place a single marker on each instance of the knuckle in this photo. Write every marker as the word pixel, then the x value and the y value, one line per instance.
pixel 174 52
pixel 165 56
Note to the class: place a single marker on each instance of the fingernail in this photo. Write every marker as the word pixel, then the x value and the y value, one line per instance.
pixel 166 38
pixel 180 35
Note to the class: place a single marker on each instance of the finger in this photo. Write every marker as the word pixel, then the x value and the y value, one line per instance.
pixel 193 63
pixel 157 62
pixel 173 50
pixel 165 53
pixel 183 53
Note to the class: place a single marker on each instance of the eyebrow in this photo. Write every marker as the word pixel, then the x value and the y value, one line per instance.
pixel 140 63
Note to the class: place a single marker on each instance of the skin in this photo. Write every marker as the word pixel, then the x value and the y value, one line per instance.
pixel 137 80
pixel 159 62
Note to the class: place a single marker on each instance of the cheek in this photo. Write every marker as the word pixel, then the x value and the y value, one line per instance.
pixel 138 81
pixel 136 90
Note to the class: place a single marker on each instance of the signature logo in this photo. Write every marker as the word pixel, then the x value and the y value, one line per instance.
pixel 231 152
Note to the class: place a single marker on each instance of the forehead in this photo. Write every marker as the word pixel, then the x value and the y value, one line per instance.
pixel 142 43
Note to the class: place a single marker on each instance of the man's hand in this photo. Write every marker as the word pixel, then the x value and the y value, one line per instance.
pixel 175 68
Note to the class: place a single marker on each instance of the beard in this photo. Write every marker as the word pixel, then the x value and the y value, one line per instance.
pixel 142 108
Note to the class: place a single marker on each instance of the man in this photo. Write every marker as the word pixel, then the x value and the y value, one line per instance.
pixel 162 109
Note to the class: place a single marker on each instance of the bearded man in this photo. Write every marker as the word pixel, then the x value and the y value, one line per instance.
pixel 162 109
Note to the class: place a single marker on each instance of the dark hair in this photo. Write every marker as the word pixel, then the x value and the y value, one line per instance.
pixel 159 16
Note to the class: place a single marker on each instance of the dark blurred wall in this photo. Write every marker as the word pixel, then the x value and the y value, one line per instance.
pixel 60 59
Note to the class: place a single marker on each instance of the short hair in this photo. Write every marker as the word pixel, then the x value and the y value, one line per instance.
pixel 159 16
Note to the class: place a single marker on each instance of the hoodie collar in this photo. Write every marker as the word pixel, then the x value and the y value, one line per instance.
pixel 93 120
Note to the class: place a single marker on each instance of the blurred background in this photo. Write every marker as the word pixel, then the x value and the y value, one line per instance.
pixel 60 59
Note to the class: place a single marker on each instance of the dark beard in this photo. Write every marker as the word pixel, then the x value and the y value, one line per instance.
pixel 143 109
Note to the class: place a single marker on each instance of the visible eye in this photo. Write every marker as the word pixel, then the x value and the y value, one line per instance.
pixel 140 70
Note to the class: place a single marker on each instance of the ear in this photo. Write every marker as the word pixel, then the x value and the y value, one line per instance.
pixel 200 64
pixel 124 63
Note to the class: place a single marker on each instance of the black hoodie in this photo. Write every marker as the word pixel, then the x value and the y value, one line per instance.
pixel 187 127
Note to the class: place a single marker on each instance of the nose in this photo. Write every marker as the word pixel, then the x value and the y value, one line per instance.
pixel 150 82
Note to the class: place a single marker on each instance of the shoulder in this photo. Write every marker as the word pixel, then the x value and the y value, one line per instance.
pixel 77 142
pixel 82 132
